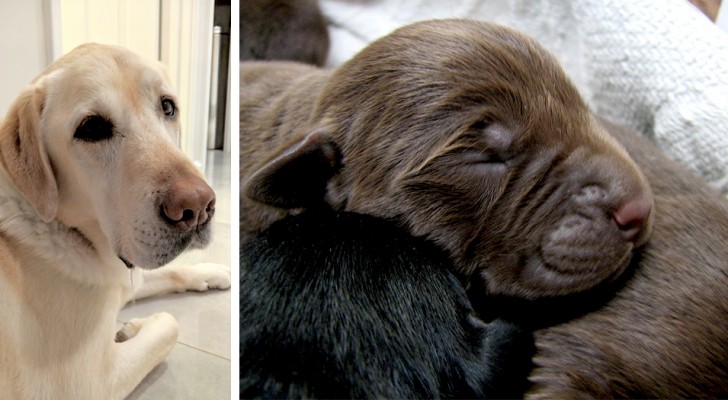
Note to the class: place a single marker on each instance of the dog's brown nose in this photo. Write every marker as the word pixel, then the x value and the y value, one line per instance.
pixel 632 216
pixel 189 203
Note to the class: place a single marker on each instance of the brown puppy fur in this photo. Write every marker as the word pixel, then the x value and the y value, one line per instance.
pixel 665 334
pixel 464 132
pixel 293 30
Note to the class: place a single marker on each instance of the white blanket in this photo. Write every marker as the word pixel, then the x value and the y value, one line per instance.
pixel 657 66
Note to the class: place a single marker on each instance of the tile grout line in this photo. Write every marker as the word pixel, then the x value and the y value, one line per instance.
pixel 189 346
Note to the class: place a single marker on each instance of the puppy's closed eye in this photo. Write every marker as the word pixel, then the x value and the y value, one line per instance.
pixel 497 138
pixel 481 157
pixel 94 128
pixel 487 143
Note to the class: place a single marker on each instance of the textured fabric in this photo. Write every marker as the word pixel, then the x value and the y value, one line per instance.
pixel 657 66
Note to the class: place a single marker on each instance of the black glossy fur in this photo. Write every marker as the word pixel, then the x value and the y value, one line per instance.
pixel 342 305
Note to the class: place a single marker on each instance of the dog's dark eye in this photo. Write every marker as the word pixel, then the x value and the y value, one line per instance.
pixel 94 128
pixel 168 107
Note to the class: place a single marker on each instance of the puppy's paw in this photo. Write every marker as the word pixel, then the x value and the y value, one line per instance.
pixel 207 276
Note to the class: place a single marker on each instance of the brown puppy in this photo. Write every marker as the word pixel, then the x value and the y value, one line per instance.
pixel 464 132
pixel 665 334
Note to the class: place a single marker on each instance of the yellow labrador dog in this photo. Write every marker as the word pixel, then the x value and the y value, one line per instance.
pixel 92 182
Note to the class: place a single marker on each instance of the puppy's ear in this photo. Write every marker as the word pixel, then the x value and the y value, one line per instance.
pixel 297 176
pixel 23 153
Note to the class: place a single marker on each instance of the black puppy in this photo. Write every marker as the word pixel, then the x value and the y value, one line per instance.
pixel 342 305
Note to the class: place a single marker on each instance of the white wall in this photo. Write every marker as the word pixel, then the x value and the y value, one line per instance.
pixel 23 50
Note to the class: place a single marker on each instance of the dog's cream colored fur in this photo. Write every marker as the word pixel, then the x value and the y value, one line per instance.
pixel 70 209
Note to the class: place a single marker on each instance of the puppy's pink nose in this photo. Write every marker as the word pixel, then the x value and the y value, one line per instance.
pixel 189 203
pixel 632 216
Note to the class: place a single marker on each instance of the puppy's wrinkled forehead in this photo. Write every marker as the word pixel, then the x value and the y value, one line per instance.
pixel 448 66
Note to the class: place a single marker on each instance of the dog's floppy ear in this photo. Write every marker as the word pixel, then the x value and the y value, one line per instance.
pixel 24 156
pixel 297 176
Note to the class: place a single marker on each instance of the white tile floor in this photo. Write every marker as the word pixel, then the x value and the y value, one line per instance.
pixel 199 365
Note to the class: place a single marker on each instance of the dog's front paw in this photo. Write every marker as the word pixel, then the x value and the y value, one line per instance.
pixel 132 327
pixel 207 276
pixel 129 330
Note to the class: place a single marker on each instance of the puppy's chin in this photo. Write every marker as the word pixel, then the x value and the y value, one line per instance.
pixel 544 279
pixel 540 274
pixel 581 252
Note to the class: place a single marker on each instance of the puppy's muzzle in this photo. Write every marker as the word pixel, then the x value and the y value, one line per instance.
pixel 189 204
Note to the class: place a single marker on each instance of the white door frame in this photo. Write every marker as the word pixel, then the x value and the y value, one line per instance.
pixel 52 22
pixel 186 48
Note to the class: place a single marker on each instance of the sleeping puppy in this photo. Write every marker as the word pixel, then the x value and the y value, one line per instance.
pixel 92 183
pixel 293 30
pixel 665 334
pixel 466 133
pixel 342 305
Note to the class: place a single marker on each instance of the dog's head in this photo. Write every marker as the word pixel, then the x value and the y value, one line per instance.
pixel 470 134
pixel 93 143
